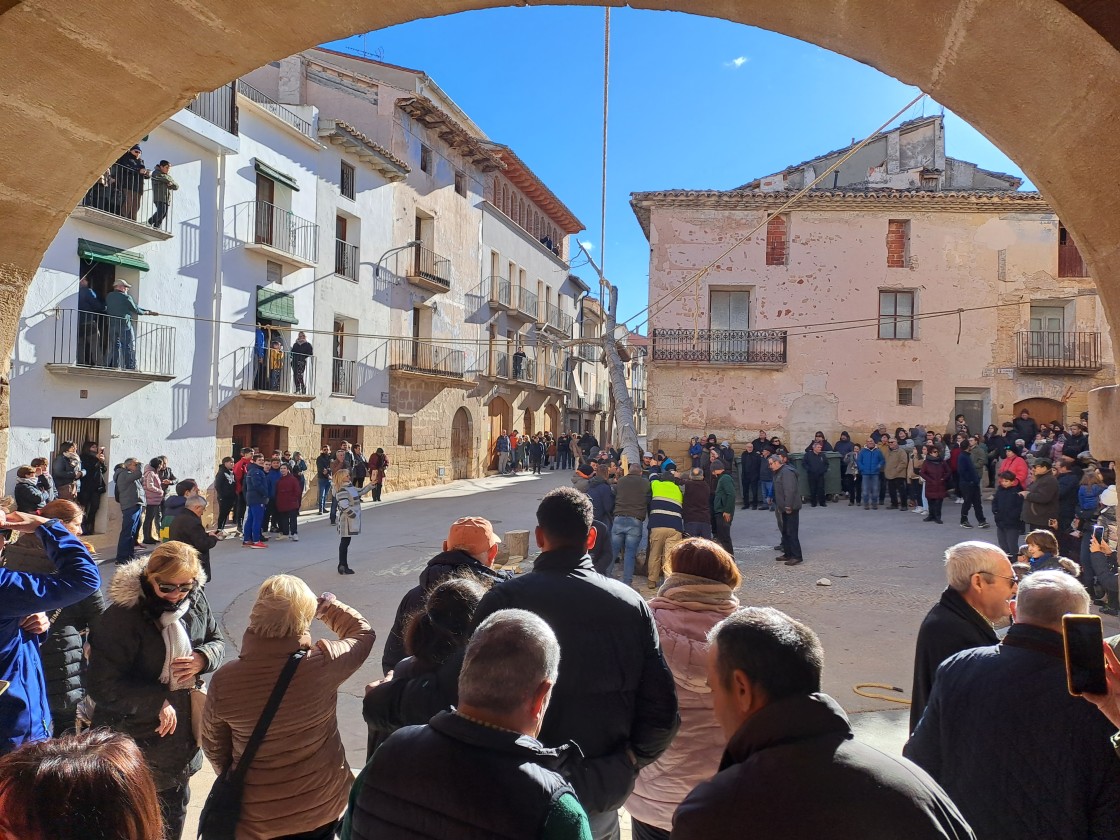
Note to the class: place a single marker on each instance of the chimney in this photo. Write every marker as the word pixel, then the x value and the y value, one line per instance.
pixel 290 90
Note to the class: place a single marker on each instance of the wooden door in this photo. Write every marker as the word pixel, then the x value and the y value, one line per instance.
pixel 266 201
pixel 461 445
pixel 500 416
pixel 1042 410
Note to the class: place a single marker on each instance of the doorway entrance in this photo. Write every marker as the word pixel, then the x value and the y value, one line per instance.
pixel 1043 410
pixel 975 405
pixel 461 449
pixel 262 436
pixel 552 420
pixel 501 417
pixel 333 436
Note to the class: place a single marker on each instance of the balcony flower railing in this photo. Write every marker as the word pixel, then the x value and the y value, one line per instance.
pixel 421 263
pixel 415 355
pixel 720 347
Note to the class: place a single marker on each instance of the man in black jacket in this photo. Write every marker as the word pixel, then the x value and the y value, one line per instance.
pixel 1001 719
pixel 792 767
pixel 816 468
pixel 187 527
pixel 750 469
pixel 615 696
pixel 1040 508
pixel 1025 427
pixel 471 546
pixel 981 585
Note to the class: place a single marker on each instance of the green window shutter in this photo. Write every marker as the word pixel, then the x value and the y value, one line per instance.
pixel 96 252
pixel 275 174
pixel 276 306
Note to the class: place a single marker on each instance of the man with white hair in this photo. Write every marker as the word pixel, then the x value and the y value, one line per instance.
pixel 187 527
pixel 981 585
pixel 1018 755
pixel 479 770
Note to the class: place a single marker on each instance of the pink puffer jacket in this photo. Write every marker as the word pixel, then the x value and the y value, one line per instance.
pixel 685 609
pixel 153 486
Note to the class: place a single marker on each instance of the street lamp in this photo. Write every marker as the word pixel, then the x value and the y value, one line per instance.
pixel 381 259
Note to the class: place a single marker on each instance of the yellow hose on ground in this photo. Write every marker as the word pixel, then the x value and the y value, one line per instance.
pixel 858 689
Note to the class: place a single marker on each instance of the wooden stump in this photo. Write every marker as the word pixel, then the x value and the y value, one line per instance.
pixel 516 544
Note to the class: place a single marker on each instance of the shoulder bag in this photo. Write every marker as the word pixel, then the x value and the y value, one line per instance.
pixel 222 810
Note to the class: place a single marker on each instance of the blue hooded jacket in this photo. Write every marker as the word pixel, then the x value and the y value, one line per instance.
pixel 25 713
pixel 870 461
pixel 273 478
pixel 255 485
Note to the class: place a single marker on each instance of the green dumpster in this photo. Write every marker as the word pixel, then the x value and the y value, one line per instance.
pixel 832 482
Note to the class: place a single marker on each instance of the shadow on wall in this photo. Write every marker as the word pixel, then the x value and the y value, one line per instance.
pixel 808 414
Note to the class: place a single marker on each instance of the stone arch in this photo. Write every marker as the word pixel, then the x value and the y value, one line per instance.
pixel 500 416
pixel 462 444
pixel 970 58
pixel 552 419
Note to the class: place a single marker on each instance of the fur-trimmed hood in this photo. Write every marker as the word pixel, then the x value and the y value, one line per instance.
pixel 126 590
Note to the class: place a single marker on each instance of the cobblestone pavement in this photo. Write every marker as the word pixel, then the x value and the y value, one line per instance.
pixel 885 570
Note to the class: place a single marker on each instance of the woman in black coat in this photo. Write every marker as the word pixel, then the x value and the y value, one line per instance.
pixel 154 640
pixel 93 483
pixel 28 494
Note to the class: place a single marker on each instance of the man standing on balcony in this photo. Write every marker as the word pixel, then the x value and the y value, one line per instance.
pixel 130 172
pixel 121 309
pixel 275 364
pixel 301 354
pixel 91 310
pixel 162 185
pixel 519 362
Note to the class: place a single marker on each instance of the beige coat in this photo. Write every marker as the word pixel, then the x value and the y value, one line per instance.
pixel 300 779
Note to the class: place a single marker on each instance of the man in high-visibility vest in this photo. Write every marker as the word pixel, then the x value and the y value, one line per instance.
pixel 666 522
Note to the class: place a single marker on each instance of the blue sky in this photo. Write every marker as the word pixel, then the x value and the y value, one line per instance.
pixel 694 103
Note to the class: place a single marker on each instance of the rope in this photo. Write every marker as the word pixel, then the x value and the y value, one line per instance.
pixel 606 100
pixel 676 292
pixel 858 689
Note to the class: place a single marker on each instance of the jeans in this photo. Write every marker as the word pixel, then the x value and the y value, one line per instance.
pixel 173 806
pixel 122 345
pixel 288 520
pixel 1008 539
pixel 971 495
pixel 816 490
pixel 791 543
pixel 661 543
pixel 254 519
pixel 871 489
pixel 698 529
pixel 151 514
pixel 768 490
pixel 626 533
pixel 324 491
pixel 156 219
pixel 604 825
pixel 130 527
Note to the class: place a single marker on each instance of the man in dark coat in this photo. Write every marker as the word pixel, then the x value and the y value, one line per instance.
pixel 750 468
pixel 1001 719
pixel 1040 500
pixel 981 583
pixel 602 495
pixel 816 468
pixel 471 546
pixel 187 527
pixel 615 695
pixel 1025 427
pixel 792 767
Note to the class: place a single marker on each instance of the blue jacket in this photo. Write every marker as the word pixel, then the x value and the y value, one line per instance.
pixel 25 714
pixel 503 443
pixel 870 461
pixel 966 471
pixel 602 499
pixel 273 478
pixel 255 485
pixel 1089 498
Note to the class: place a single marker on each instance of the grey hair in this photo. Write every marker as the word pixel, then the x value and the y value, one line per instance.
pixel 775 457
pixel 510 654
pixel 1044 597
pixel 196 502
pixel 965 559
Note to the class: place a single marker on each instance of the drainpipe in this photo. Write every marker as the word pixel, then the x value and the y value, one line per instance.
pixel 216 314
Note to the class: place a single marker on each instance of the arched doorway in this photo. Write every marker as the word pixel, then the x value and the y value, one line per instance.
pixel 552 420
pixel 500 416
pixel 461 448
pixel 1043 410
pixel 529 423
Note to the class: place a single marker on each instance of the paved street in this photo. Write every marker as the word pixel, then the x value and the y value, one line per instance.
pixel 884 566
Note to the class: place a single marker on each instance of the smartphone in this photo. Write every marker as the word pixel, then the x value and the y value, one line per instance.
pixel 1098 533
pixel 1083 636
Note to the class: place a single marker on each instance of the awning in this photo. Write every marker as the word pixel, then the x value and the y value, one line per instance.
pixel 96 252
pixel 276 306
pixel 276 175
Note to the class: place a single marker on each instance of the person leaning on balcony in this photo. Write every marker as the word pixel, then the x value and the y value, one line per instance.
pixel 91 310
pixel 130 172
pixel 275 364
pixel 302 352
pixel 162 185
pixel 121 310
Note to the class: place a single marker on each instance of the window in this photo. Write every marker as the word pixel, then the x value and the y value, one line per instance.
pixel 898 243
pixel 729 310
pixel 273 272
pixel 777 241
pixel 461 184
pixel 1070 263
pixel 909 391
pixel 404 432
pixel 425 159
pixel 346 179
pixel 896 314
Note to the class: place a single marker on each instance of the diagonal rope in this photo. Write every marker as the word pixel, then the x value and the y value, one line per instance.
pixel 606 100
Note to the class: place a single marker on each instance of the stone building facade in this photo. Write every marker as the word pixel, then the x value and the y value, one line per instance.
pixel 913 288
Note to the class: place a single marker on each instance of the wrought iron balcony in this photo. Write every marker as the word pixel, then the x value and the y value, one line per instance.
pixel 344 377
pixel 589 350
pixel 526 303
pixel 496 364
pixel 558 320
pixel 346 259
pixel 274 374
pixel 757 348
pixel 279 232
pixel 218 107
pixel 125 200
pixel 424 268
pixel 1058 352
pixel 427 358
pixel 501 292
pixel 247 91
pixel 91 344
pixel 554 378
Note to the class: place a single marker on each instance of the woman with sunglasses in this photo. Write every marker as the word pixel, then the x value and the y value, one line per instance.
pixel 146 654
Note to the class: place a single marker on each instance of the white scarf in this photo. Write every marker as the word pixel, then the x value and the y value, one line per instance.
pixel 176 642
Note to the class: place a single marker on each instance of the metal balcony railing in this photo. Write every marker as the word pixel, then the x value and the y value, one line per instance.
pixel 720 347
pixel 554 378
pixel 218 107
pixel 524 368
pixel 88 339
pixel 527 303
pixel 129 195
pixel 275 108
pixel 283 230
pixel 344 377
pixel 558 320
pixel 499 366
pixel 425 268
pixel 273 371
pixel 415 355
pixel 501 294
pixel 346 259
pixel 1064 352
pixel 589 351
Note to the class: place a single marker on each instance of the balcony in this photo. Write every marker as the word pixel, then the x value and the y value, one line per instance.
pixel 344 377
pixel 425 268
pixel 249 93
pixel 123 200
pixel 346 260
pixel 525 304
pixel 554 378
pixel 558 321
pixel 218 107
pixel 590 350
pixel 1058 352
pixel 427 359
pixel 501 292
pixel 279 234
pixel 496 365
pixel 524 370
pixel 89 344
pixel 276 375
pixel 754 348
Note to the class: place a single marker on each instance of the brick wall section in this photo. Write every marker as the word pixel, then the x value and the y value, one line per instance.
pixel 898 232
pixel 777 241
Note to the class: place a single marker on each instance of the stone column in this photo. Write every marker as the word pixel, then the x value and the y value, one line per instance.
pixel 1104 422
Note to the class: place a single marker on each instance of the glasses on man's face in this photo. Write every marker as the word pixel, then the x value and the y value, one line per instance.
pixel 1014 578
pixel 168 588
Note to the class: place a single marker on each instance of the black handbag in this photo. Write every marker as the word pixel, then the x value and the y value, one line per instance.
pixel 222 810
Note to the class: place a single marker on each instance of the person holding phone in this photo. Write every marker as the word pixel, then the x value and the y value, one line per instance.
pixel 988 728
pixel 1102 555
